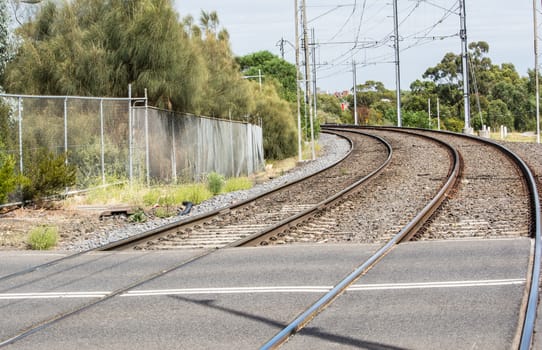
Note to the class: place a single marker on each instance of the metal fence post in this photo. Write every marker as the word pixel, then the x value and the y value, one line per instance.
pixel 173 151
pixel 233 172
pixel 20 111
pixel 250 150
pixel 102 141
pixel 147 162
pixel 130 150
pixel 66 129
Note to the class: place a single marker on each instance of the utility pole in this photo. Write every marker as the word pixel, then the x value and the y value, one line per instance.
pixel 397 65
pixel 355 92
pixel 536 72
pixel 308 76
pixel 465 65
pixel 299 146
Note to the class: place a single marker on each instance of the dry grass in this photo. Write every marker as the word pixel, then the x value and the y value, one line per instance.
pixel 515 137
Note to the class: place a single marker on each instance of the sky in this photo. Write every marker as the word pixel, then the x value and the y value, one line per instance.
pixel 362 31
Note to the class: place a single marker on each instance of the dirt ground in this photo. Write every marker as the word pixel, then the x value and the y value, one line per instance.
pixel 15 225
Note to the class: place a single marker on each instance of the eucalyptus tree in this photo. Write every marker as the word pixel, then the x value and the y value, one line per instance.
pixel 279 132
pixel 500 94
pixel 224 91
pixel 4 37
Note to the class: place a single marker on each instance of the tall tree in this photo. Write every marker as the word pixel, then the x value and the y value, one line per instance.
pixel 5 47
pixel 97 47
pixel 493 87
pixel 225 91
pixel 272 67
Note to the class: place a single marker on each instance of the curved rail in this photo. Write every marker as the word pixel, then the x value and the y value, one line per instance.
pixel 532 303
pixel 535 270
pixel 256 239
pixel 405 233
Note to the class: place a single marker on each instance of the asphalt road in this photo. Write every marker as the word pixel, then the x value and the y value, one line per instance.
pixel 446 295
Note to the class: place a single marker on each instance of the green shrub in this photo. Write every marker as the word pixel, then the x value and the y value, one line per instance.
pixel 453 124
pixel 237 183
pixel 8 178
pixel 215 182
pixel 279 129
pixel 43 237
pixel 48 175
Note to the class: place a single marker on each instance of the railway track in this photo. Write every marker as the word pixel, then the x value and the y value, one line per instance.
pixel 489 201
pixel 279 196
pixel 514 212
pixel 357 165
pixel 335 212
pixel 358 217
pixel 246 221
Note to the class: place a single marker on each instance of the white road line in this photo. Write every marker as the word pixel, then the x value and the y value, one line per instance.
pixel 52 295
pixel 270 289
pixel 425 285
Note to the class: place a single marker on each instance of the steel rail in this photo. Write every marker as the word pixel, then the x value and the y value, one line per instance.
pixel 255 239
pixel 532 303
pixel 528 323
pixel 407 231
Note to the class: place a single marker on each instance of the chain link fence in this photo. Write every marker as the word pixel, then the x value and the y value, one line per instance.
pixel 117 139
pixel 184 147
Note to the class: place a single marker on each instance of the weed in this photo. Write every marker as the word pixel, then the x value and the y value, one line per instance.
pixel 195 193
pixel 237 183
pixel 151 197
pixel 43 237
pixel 138 216
pixel 161 212
pixel 215 182
pixel 48 174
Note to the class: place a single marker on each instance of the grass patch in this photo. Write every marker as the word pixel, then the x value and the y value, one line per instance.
pixel 42 237
pixel 168 197
pixel 143 196
pixel 163 212
pixel 514 137
pixel 237 184
pixel 195 193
